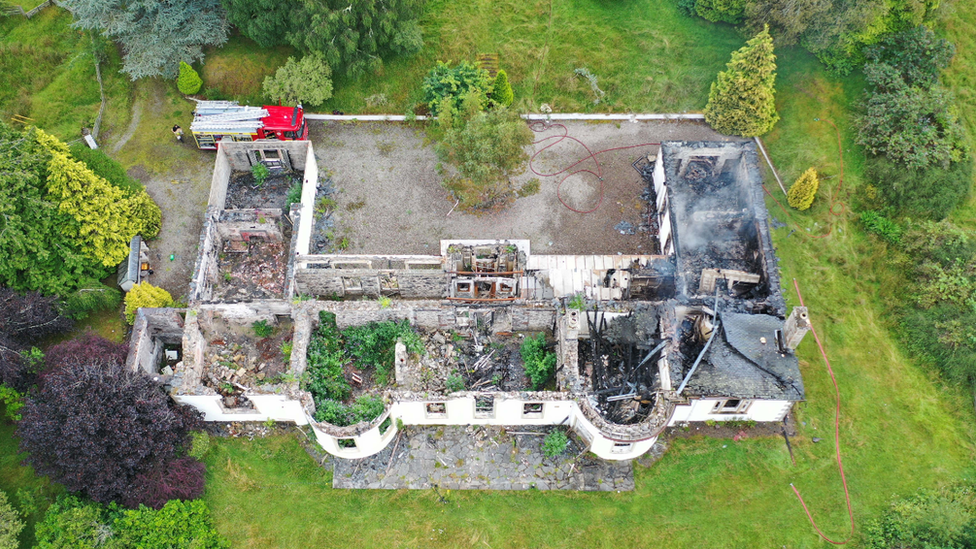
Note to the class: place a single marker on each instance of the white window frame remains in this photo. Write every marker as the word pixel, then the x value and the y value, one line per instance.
pixel 740 406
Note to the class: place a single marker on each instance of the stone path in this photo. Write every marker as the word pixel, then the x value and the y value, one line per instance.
pixel 480 458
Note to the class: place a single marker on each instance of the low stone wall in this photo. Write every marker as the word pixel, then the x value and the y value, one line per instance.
pixel 407 283
pixel 205 271
pixel 245 224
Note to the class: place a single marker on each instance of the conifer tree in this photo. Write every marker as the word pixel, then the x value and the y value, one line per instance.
pixel 501 92
pixel 804 190
pixel 741 100
pixel 189 82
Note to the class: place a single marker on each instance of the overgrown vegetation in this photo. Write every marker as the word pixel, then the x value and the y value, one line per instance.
pixel 931 518
pixel 555 443
pixel 146 295
pixel 538 360
pixel 262 328
pixel 307 81
pixel 10 524
pixel 370 347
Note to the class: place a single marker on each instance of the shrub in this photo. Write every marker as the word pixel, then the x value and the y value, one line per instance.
pixel 911 125
pixel 10 524
pixel 486 151
pixel 454 383
pixel 25 319
pixel 555 443
pixel 931 518
pixel 86 347
pixel 199 445
pixel 365 408
pixel 742 99
pixel 177 525
pixel 262 328
pixel 180 478
pixel 260 173
pixel 882 226
pixel 294 195
pixel 188 82
pixel 12 401
pixel 929 193
pixel 687 7
pixel 804 190
pixel 93 296
pixel 373 344
pixel 146 295
pixel 106 167
pixel 917 54
pixel 445 86
pixel 323 375
pixel 539 363
pixel 147 214
pixel 96 427
pixel 501 90
pixel 729 11
pixel 307 81
pixel 71 523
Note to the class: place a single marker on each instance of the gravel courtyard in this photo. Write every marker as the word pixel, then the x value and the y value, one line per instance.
pixel 390 197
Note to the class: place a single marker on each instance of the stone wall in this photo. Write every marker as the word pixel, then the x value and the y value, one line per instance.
pixel 237 152
pixel 408 283
pixel 205 272
pixel 153 329
pixel 236 224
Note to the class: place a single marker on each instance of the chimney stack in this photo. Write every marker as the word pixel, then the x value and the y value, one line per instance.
pixel 796 326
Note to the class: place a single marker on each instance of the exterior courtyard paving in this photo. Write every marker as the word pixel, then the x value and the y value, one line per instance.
pixel 480 458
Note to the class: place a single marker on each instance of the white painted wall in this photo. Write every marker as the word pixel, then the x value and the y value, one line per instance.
pixel 759 410
pixel 309 184
pixel 276 407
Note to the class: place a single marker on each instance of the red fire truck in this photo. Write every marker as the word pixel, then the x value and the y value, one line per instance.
pixel 217 120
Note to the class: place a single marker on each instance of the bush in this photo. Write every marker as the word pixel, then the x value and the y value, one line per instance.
pixel 106 167
pixel 260 173
pixel 71 523
pixel 147 214
pixel 96 427
pixel 742 99
pixel 12 401
pixel 917 54
pixel 911 125
pixel 365 408
pixel 486 151
pixel 180 478
pixel 146 295
pixel 804 190
pixel 262 328
pixel 555 443
pixel 294 195
pixel 501 90
pixel 10 524
pixel 188 82
pixel 729 11
pixel 177 525
pixel 24 320
pixel 928 193
pixel 539 363
pixel 373 344
pixel 446 86
pixel 323 375
pixel 930 519
pixel 307 81
pixel 882 226
pixel 93 296
pixel 454 383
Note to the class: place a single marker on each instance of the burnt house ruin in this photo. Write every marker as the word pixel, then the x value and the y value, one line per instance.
pixel 696 330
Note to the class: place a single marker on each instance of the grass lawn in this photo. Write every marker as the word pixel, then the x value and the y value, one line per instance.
pixel 19 482
pixel 49 72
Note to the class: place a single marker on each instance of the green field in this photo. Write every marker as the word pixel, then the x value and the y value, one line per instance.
pixel 902 428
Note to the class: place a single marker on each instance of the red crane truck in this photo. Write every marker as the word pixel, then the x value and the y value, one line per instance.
pixel 217 120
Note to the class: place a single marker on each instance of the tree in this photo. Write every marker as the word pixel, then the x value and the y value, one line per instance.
pixel 10 524
pixel 917 54
pixel 87 347
pixel 447 85
pixel 742 99
pixel 188 82
pixel 146 295
pixel 911 125
pixel 95 427
pixel 928 193
pixel 788 20
pixel 155 36
pixel 267 22
pixel 25 319
pixel 729 11
pixel 501 90
pixel 486 150
pixel 804 190
pixel 104 223
pixel 106 167
pixel 307 81
pixel 35 252
pixel 355 35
